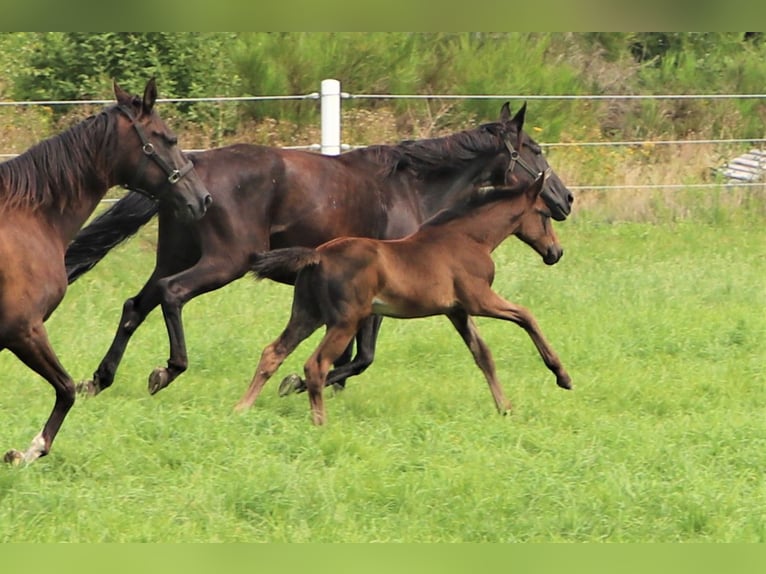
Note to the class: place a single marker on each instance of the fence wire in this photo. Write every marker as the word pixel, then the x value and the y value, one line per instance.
pixel 585 97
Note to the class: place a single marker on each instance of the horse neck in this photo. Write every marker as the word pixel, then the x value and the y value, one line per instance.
pixel 445 170
pixel 64 177
pixel 437 192
pixel 492 223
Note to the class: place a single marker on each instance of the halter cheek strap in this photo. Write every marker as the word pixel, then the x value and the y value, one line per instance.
pixel 517 159
pixel 173 175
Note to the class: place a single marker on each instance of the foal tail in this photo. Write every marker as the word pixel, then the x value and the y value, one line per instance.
pixel 283 265
pixel 106 232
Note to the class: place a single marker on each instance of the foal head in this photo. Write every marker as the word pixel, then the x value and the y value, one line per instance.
pixel 535 227
pixel 148 157
pixel 525 159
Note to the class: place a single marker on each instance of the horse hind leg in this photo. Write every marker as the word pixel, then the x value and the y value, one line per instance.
pixel 366 340
pixel 303 322
pixel 316 368
pixel 34 350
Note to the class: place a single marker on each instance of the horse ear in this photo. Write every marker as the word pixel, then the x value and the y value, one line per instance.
pixel 505 112
pixel 518 119
pixel 150 96
pixel 123 97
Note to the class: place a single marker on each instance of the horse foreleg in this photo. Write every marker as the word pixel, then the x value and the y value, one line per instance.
pixel 492 305
pixel 134 312
pixel 33 348
pixel 482 355
pixel 175 292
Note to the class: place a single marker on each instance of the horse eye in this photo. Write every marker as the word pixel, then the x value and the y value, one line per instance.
pixel 169 139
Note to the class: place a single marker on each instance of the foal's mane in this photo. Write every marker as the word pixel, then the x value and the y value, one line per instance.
pixel 435 155
pixel 474 201
pixel 60 170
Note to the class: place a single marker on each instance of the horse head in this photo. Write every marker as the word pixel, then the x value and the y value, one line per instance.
pixel 535 227
pixel 524 154
pixel 149 159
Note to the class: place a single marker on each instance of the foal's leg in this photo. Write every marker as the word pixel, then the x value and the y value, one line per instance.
pixel 490 304
pixel 481 354
pixel 34 349
pixel 330 348
pixel 304 320
pixel 366 339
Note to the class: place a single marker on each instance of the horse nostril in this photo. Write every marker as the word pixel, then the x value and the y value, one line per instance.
pixel 570 199
pixel 207 201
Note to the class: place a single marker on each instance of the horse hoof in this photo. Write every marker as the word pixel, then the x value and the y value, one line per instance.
pixel 158 380
pixel 291 384
pixel 86 389
pixel 13 457
pixel 564 382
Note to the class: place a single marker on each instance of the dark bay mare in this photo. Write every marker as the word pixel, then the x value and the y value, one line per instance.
pixel 267 198
pixel 444 268
pixel 46 194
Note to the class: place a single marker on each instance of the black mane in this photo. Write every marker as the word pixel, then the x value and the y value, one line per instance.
pixel 474 201
pixel 436 155
pixel 60 169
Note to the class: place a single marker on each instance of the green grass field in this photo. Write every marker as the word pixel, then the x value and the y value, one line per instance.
pixel 661 326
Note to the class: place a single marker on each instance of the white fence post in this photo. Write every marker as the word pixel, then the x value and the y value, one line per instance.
pixel 330 106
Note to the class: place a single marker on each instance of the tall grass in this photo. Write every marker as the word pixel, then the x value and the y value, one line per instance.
pixel 663 438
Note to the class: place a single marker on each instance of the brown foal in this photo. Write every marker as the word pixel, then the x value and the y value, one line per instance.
pixel 444 268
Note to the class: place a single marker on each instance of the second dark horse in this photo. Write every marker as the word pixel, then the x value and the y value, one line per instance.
pixel 267 198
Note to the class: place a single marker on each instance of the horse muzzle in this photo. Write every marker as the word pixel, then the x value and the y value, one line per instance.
pixel 553 254
pixel 557 198
pixel 196 209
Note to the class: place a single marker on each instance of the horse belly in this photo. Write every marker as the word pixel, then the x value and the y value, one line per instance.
pixel 417 298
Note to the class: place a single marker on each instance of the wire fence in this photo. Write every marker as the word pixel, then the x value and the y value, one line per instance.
pixel 503 97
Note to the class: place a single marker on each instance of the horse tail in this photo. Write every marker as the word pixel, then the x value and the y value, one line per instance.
pixel 283 265
pixel 107 231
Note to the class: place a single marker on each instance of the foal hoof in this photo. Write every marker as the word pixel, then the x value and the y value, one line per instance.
pixel 291 384
pixel 565 382
pixel 158 380
pixel 13 457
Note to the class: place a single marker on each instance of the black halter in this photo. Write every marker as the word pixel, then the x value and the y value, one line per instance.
pixel 515 159
pixel 174 175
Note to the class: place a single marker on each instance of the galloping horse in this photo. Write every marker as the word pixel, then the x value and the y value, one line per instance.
pixel 268 198
pixel 46 194
pixel 444 268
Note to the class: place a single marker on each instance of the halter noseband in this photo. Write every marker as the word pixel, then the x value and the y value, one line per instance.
pixel 173 175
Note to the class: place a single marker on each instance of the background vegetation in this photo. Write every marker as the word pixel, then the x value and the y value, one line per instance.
pixel 70 65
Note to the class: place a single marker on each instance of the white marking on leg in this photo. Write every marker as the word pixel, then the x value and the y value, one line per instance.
pixel 35 449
